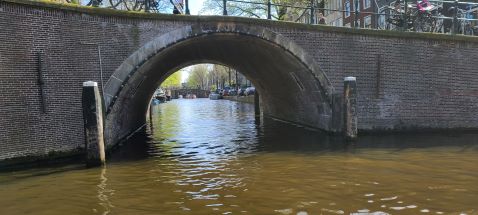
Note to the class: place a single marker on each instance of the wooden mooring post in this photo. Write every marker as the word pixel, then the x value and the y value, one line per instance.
pixel 350 108
pixel 257 105
pixel 93 123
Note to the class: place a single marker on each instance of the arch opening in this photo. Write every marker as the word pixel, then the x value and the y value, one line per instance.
pixel 291 86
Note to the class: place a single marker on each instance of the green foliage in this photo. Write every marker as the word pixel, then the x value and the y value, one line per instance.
pixel 173 81
pixel 198 77
pixel 212 77
pixel 218 76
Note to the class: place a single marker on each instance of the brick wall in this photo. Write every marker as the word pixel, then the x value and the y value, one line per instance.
pixel 405 81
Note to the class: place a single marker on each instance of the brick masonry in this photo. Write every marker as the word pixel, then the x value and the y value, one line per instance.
pixel 405 81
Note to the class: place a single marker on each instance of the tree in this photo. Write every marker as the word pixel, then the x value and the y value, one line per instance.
pixel 218 76
pixel 211 77
pixel 289 10
pixel 138 5
pixel 130 5
pixel 173 81
pixel 198 77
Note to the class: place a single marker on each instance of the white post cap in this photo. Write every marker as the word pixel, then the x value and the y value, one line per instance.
pixel 90 84
pixel 350 78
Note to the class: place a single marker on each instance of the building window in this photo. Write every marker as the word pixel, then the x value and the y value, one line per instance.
pixel 327 12
pixel 381 22
pixel 367 21
pixel 356 5
pixel 347 8
pixel 348 25
pixel 367 4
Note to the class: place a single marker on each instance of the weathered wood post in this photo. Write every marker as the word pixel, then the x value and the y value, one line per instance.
pixel 150 112
pixel 350 107
pixel 93 122
pixel 257 107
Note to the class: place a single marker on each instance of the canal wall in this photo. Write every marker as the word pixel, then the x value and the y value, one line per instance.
pixel 405 81
pixel 244 99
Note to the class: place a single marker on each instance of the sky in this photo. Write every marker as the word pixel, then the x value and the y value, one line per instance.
pixel 195 6
pixel 185 73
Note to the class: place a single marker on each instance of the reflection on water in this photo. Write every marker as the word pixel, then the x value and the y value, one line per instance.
pixel 212 157
pixel 104 193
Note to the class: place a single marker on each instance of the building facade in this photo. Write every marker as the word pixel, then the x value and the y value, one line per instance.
pixel 359 13
pixel 333 12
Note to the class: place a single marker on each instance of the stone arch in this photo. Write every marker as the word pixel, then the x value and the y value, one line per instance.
pixel 287 64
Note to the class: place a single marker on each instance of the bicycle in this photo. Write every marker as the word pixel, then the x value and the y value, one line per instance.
pixel 466 26
pixel 393 18
pixel 420 17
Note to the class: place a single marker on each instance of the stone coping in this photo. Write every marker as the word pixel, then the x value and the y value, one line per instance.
pixel 274 23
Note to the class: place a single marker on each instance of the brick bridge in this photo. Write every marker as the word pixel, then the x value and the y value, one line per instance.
pixel 184 92
pixel 406 81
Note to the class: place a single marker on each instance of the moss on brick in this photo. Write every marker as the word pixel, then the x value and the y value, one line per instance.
pixel 143 15
pixel 41 159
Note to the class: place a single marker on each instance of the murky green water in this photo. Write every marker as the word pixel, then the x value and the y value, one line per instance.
pixel 212 157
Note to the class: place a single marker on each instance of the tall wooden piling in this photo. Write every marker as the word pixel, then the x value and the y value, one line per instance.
pixel 150 113
pixel 350 108
pixel 257 107
pixel 93 123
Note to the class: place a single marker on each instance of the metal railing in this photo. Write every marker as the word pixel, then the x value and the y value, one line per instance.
pixel 442 16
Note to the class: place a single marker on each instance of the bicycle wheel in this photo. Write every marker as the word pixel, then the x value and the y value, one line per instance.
pixel 424 23
pixel 389 19
pixel 114 4
pixel 467 28
pixel 475 30
pixel 439 27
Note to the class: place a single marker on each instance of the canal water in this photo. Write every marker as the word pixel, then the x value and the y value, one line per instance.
pixel 212 157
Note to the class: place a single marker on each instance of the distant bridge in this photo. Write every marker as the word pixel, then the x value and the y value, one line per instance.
pixel 406 81
pixel 183 92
